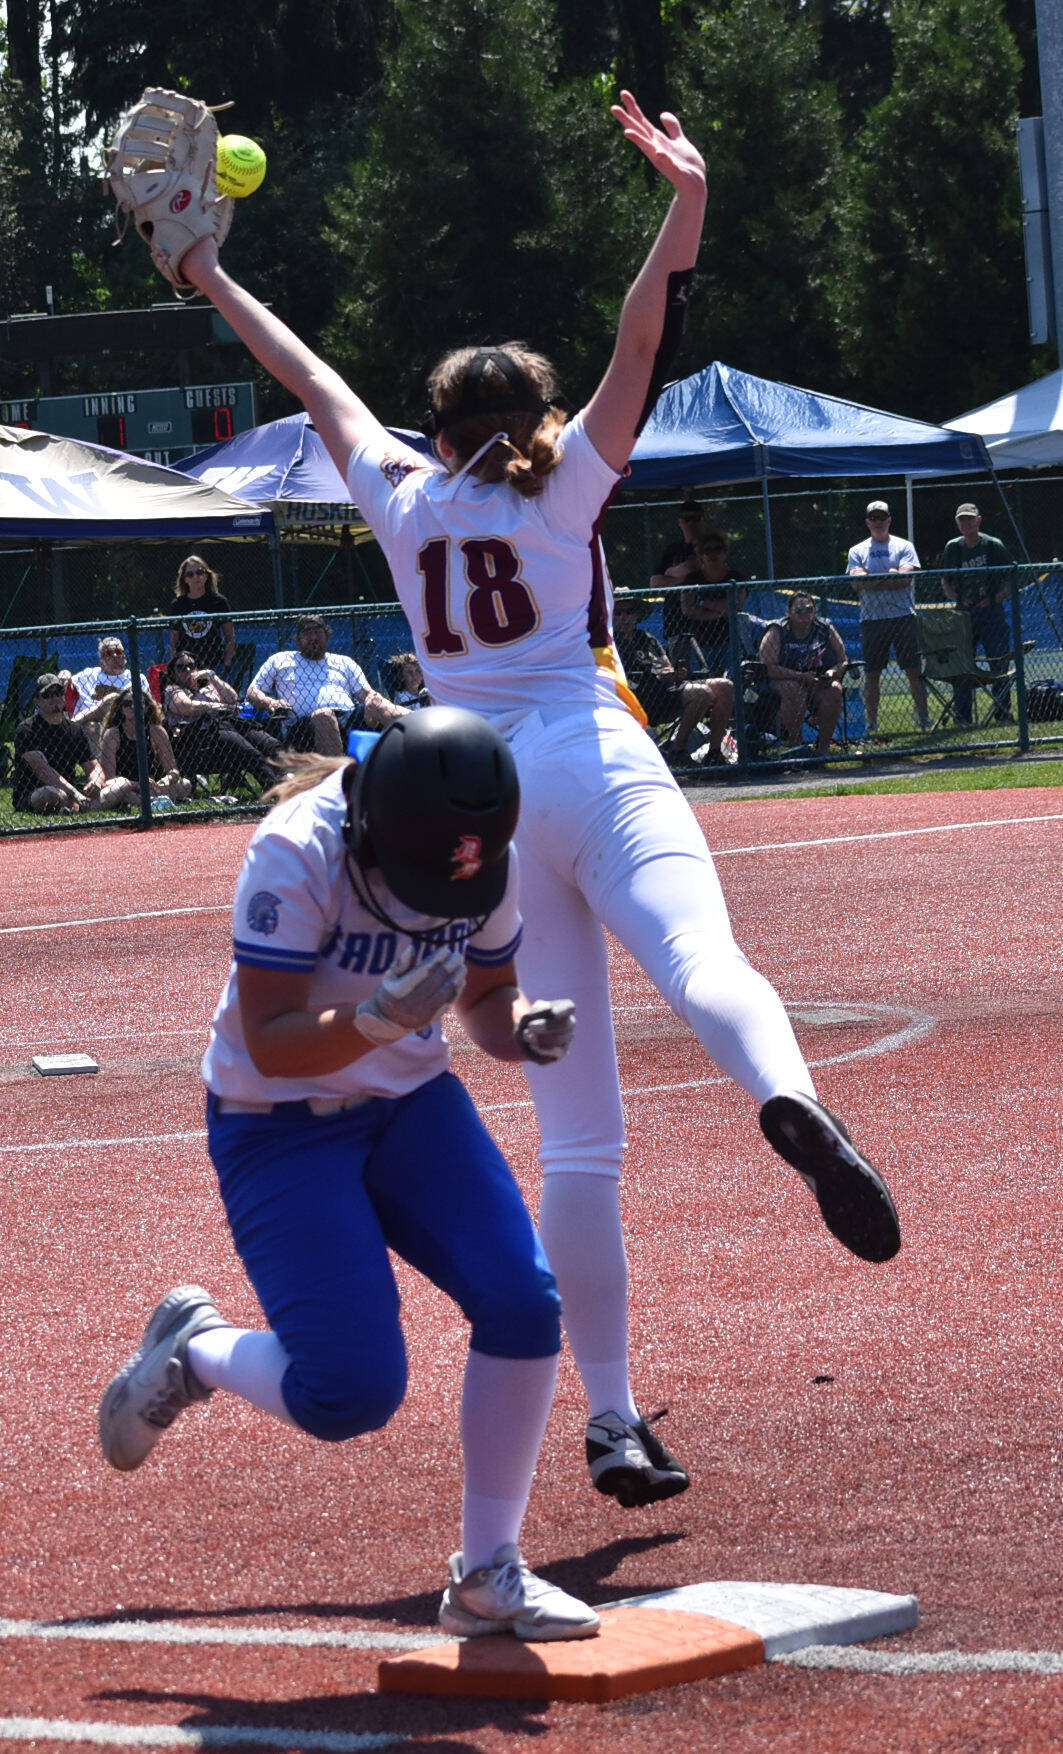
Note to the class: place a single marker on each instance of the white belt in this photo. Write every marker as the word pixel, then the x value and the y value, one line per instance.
pixel 318 1105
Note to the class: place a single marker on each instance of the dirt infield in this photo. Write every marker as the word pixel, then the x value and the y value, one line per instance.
pixel 894 1428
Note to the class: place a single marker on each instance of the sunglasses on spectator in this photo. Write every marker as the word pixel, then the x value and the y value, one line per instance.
pixel 51 693
pixel 184 666
pixel 201 570
pixel 878 517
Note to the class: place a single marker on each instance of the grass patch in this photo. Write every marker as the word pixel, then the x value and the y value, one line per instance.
pixel 1006 776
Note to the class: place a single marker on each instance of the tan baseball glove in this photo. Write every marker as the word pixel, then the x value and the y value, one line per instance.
pixel 162 169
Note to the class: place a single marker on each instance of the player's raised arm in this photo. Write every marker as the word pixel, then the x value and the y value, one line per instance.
pixel 652 318
pixel 341 417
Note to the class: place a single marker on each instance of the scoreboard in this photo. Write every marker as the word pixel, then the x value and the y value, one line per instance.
pixel 162 425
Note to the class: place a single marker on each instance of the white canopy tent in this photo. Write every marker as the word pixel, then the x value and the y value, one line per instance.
pixel 1023 430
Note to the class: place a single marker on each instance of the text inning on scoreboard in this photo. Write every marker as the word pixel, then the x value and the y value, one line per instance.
pixel 162 424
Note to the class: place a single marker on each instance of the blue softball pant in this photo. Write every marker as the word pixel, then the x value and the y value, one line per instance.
pixel 315 1202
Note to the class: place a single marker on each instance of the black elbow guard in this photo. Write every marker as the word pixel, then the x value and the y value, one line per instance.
pixel 676 299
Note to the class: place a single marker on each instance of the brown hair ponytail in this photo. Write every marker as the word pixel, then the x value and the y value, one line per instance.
pixel 528 446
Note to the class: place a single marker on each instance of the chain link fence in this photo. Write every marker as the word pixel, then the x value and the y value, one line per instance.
pixel 157 724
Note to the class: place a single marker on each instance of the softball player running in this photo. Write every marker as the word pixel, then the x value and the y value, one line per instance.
pixel 496 559
pixel 367 903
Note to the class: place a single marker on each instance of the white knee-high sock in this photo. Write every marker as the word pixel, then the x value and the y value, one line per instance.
pixel 245 1361
pixel 579 1222
pixel 504 1408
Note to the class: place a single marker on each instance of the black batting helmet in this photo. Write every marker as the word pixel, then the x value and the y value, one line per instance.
pixel 433 808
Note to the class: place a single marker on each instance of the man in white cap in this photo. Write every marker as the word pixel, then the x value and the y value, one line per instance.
pixel 981 594
pixel 887 611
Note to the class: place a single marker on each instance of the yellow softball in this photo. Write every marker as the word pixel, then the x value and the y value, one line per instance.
pixel 241 165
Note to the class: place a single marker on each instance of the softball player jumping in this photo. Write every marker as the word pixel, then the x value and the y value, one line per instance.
pixel 497 562
pixel 368 902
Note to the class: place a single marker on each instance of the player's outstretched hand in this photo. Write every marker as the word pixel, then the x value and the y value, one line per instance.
pixel 667 147
pixel 545 1031
pixel 412 995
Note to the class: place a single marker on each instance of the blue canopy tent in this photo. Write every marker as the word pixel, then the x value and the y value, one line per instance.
pixel 723 426
pixel 283 465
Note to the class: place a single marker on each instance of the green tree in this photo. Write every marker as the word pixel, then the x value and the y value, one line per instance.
pixel 491 203
pixel 746 84
pixel 12 235
pixel 282 57
pixel 930 293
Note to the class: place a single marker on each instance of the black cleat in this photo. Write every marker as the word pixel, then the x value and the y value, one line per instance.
pixel 851 1195
pixel 628 1463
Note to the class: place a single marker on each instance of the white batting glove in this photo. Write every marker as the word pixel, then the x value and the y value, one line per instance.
pixel 410 997
pixel 545 1031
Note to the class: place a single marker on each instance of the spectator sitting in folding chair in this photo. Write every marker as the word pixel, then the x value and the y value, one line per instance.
pixel 407 681
pixel 96 687
pixel 209 736
pixel 328 693
pixel 663 689
pixel 805 660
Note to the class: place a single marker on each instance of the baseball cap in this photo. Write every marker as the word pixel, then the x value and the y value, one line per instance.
pixel 48 681
pixel 690 508
pixel 967 510
pixel 877 505
pixel 625 605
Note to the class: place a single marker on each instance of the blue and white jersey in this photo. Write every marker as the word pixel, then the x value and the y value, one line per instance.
pixel 884 557
pixel 507 598
pixel 296 910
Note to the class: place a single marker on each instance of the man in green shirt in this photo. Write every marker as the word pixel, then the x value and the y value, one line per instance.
pixel 981 594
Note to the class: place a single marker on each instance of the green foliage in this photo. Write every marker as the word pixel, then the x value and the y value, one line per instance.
pixel 930 291
pixel 444 171
pixel 282 56
pixel 748 91
pixel 488 205
pixel 12 176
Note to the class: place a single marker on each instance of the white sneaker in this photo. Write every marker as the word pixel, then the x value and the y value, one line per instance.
pixel 148 1393
pixel 506 1597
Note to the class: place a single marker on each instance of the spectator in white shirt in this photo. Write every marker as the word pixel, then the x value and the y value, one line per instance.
pixel 97 686
pixel 887 611
pixel 328 693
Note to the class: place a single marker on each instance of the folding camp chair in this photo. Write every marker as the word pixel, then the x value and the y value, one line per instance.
pixel 947 647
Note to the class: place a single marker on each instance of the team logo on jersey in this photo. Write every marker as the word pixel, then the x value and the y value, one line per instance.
pixel 180 200
pixel 395 469
pixel 466 858
pixel 263 912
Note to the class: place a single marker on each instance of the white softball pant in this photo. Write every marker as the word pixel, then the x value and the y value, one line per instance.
pixel 606 837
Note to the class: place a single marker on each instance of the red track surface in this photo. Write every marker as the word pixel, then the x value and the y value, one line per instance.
pixel 930 1461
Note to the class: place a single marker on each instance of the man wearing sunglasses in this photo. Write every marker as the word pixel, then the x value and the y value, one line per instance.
pixel 49 751
pixel 887 611
pixel 98 684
